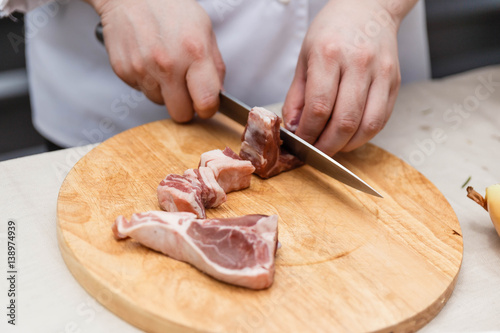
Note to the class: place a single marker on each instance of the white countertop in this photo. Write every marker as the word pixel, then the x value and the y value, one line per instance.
pixel 447 129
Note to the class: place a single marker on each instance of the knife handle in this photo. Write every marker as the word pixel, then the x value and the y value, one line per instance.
pixel 98 32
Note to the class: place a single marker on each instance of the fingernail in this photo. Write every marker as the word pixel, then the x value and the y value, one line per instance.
pixel 292 125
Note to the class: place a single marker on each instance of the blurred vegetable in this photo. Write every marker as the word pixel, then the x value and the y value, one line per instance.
pixel 490 202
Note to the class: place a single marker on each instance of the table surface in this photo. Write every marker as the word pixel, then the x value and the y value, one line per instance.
pixel 447 129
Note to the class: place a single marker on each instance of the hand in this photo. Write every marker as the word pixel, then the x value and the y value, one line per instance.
pixel 166 49
pixel 346 81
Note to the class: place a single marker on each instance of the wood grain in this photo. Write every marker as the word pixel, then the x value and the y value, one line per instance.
pixel 349 262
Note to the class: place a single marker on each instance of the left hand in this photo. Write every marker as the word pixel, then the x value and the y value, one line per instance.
pixel 346 80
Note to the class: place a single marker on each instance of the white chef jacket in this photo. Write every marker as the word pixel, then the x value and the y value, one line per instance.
pixel 77 99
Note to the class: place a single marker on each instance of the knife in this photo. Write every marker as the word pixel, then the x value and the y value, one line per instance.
pixel 306 152
pixel 238 111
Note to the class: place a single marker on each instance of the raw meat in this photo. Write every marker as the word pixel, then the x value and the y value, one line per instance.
pixel 212 195
pixel 192 192
pixel 238 250
pixel 261 144
pixel 178 193
pixel 232 173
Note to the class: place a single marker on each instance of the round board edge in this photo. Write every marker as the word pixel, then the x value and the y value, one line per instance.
pixel 92 285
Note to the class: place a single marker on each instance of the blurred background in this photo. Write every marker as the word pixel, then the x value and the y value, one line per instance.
pixel 463 34
pixel 17 135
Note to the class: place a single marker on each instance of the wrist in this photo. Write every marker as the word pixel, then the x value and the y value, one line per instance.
pixel 99 5
pixel 397 9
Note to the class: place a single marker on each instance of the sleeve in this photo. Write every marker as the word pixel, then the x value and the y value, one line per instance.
pixel 7 7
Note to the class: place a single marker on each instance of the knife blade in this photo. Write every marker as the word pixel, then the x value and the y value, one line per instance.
pixel 238 111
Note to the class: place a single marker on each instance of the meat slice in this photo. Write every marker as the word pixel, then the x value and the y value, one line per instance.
pixel 123 229
pixel 212 195
pixel 178 193
pixel 238 250
pixel 192 192
pixel 261 144
pixel 232 173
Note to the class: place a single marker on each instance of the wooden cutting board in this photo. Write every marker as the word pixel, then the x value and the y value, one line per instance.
pixel 349 262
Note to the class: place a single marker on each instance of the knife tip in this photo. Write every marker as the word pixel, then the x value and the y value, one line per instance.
pixel 370 190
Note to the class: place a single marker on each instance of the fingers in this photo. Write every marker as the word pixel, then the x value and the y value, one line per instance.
pixel 177 100
pixel 150 87
pixel 320 98
pixel 374 117
pixel 204 84
pixel 218 61
pixel 121 65
pixel 132 70
pixel 183 93
pixel 347 112
pixel 175 95
pixel 380 103
pixel 393 94
pixel 295 99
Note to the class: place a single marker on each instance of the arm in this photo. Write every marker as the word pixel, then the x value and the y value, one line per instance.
pixel 347 75
pixel 166 49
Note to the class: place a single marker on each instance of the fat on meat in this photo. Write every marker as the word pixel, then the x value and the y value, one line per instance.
pixel 240 250
pixel 261 144
pixel 192 192
pixel 232 172
pixel 212 194
pixel 179 193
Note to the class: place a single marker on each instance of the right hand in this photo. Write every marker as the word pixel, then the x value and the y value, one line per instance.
pixel 166 49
